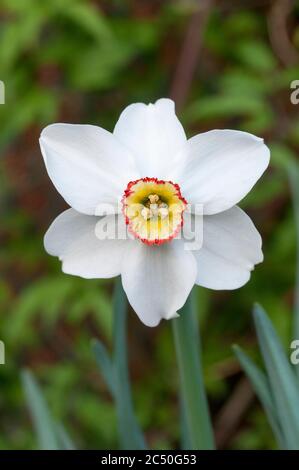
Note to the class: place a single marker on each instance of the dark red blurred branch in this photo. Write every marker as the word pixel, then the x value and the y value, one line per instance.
pixel 189 53
pixel 278 32
pixel 232 412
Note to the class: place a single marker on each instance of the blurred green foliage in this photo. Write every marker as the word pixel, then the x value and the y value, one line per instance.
pixel 83 61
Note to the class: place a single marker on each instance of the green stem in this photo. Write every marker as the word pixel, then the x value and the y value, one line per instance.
pixel 129 432
pixel 194 399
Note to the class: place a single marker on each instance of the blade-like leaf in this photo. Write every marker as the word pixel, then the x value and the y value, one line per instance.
pixel 65 442
pixel 44 426
pixel 115 373
pixel 281 376
pixel 293 171
pixel 261 386
pixel 105 364
pixel 51 435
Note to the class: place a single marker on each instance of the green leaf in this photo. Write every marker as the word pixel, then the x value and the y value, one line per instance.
pixel 44 426
pixel 256 55
pixel 260 384
pixel 281 378
pixel 105 364
pixel 65 442
pixel 293 171
pixel 51 435
pixel 116 374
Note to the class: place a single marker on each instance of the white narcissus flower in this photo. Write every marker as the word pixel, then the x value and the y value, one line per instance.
pixel 146 172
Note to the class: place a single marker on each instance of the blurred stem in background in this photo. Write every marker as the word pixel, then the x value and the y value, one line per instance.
pixel 194 400
pixel 116 375
pixel 294 183
pixel 128 428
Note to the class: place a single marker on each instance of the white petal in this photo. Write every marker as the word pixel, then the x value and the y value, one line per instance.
pixel 87 165
pixel 158 279
pixel 72 238
pixel 220 168
pixel 231 248
pixel 153 134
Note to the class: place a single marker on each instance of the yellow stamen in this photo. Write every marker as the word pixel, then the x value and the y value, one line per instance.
pixel 153 198
pixel 153 209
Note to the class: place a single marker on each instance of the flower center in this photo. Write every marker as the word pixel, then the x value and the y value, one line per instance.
pixel 153 210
